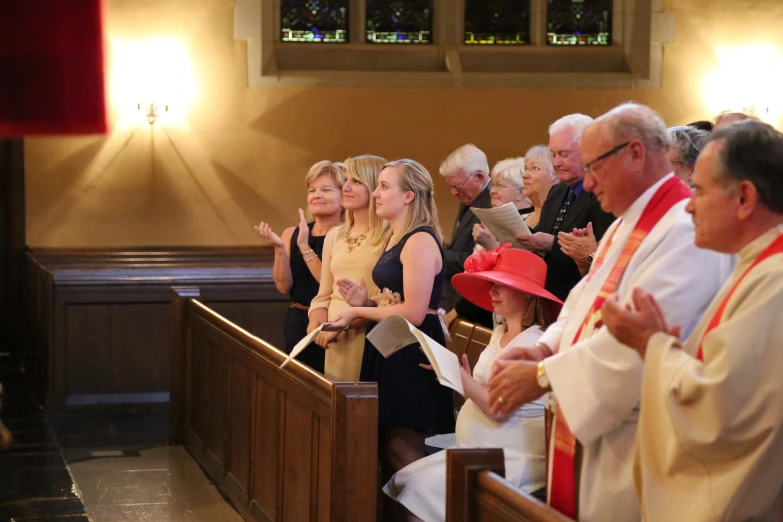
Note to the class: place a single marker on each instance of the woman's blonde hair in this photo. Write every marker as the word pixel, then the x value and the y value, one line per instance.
pixel 334 170
pixel 366 169
pixel 422 211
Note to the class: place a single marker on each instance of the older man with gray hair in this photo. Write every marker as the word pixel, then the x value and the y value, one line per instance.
pixel 466 172
pixel 595 380
pixel 567 207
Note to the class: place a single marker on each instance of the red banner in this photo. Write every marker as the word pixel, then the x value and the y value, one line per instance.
pixel 51 67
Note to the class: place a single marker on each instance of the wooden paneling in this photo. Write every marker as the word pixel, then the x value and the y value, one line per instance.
pixel 282 444
pixel 99 323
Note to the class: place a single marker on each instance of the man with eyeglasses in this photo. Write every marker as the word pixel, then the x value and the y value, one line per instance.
pixel 567 207
pixel 595 380
pixel 466 171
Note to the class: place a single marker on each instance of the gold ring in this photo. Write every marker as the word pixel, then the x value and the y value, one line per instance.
pixel 501 401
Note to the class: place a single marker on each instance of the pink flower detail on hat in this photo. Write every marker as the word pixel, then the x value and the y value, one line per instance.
pixel 484 261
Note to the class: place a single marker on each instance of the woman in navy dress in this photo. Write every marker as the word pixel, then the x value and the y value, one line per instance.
pixel 412 404
pixel 297 268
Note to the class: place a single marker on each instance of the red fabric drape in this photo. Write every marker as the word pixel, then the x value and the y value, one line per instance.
pixel 51 67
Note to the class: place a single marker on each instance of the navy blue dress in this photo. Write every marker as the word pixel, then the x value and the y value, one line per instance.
pixel 408 396
pixel 303 290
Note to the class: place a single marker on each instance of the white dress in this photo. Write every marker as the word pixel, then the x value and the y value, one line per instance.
pixel 421 486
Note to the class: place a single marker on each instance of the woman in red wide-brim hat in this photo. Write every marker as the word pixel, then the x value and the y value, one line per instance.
pixel 509 282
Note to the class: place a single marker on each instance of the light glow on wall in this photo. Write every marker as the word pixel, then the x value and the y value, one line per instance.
pixel 747 79
pixel 157 70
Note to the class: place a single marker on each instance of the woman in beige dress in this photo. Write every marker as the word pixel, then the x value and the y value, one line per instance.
pixel 350 252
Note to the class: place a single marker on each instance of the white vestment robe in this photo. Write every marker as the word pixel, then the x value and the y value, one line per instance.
pixel 597 381
pixel 710 441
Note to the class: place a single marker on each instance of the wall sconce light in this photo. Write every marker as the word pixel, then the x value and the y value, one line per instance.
pixel 152 80
pixel 152 111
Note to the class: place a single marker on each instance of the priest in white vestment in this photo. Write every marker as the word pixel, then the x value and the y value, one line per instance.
pixel 595 379
pixel 710 439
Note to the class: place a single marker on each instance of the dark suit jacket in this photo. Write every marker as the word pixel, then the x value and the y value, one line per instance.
pixel 562 272
pixel 454 256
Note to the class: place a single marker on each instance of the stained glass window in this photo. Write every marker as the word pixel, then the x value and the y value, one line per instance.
pixel 579 22
pixel 314 20
pixel 399 21
pixel 497 22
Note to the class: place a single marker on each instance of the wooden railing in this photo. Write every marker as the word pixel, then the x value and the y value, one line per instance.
pixel 477 492
pixel 282 444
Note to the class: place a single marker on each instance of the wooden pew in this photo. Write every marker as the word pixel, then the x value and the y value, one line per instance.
pixel 467 338
pixel 282 444
pixel 83 307
pixel 477 492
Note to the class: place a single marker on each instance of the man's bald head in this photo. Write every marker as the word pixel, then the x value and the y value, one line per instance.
pixel 634 121
pixel 625 154
pixel 730 117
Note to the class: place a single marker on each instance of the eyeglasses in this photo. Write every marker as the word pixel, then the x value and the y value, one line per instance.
pixel 499 186
pixel 615 150
pixel 458 186
pixel 534 168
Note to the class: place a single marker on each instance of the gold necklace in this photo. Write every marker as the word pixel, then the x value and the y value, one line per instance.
pixel 354 242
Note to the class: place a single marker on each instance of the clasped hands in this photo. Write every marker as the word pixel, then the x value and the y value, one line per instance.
pixel 578 244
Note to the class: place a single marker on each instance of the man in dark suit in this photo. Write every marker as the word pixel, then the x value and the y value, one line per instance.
pixel 567 206
pixel 466 171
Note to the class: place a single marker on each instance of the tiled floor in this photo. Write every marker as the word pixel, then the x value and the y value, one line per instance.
pixel 100 467
pixel 126 472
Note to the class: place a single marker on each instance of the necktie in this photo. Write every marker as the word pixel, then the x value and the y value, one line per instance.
pixel 563 211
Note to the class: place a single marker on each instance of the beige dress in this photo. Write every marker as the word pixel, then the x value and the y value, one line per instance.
pixel 344 356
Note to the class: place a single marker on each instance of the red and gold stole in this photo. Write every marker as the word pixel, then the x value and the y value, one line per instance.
pixel 776 247
pixel 563 486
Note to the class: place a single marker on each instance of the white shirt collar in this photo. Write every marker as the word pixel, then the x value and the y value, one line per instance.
pixel 634 212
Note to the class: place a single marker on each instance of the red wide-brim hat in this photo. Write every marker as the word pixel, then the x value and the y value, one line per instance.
pixel 511 267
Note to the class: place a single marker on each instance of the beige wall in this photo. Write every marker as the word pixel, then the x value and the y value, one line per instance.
pixel 244 151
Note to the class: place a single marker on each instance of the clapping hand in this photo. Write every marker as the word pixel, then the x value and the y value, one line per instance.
pixel 353 294
pixel 634 326
pixel 482 236
pixel 304 233
pixel 578 244
pixel 267 235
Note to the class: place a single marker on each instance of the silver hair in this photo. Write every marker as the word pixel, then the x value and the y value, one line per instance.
pixel 542 154
pixel 688 142
pixel 510 170
pixel 468 159
pixel 635 121
pixel 576 123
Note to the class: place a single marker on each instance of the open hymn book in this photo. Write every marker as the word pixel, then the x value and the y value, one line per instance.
pixel 503 222
pixel 395 332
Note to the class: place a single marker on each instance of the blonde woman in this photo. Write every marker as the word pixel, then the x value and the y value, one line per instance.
pixel 411 402
pixel 350 251
pixel 297 267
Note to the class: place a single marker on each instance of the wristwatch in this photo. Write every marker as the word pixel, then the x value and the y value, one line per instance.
pixel 589 259
pixel 541 377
